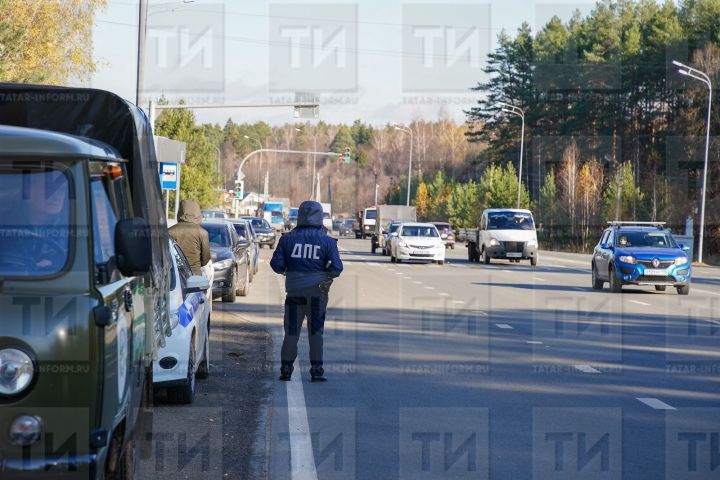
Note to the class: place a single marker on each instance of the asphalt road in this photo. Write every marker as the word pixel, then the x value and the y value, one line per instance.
pixel 472 371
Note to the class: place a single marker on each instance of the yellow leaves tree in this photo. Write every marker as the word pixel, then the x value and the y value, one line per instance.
pixel 47 41
pixel 422 201
pixel 589 190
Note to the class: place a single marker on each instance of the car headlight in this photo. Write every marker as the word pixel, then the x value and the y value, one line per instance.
pixel 627 259
pixel 532 242
pixel 223 264
pixel 16 371
pixel 681 260
pixel 402 243
pixel 494 242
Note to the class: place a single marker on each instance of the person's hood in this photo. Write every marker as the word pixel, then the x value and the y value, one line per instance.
pixel 310 214
pixel 189 212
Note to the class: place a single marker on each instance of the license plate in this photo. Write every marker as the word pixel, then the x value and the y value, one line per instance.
pixel 660 272
pixel 514 255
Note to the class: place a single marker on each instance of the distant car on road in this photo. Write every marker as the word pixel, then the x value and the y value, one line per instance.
pixel 206 214
pixel 246 233
pixel 640 254
pixel 265 233
pixel 291 222
pixel 446 233
pixel 230 259
pixel 186 354
pixel 417 241
pixel 384 243
pixel 346 228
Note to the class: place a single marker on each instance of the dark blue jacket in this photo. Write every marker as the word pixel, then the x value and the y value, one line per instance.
pixel 306 255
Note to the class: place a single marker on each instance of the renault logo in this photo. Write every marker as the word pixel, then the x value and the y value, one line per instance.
pixel 656 263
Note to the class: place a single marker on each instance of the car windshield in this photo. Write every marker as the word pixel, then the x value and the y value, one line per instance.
pixel 259 223
pixel 35 230
pixel 443 227
pixel 639 238
pixel 371 214
pixel 510 221
pixel 219 235
pixel 419 231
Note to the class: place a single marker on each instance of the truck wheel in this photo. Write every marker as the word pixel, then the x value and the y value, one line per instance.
pixel 272 245
pixel 185 394
pixel 473 255
pixel 660 288
pixel 486 257
pixel 683 290
pixel 533 261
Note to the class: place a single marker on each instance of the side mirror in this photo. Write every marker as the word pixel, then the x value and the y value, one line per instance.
pixel 394 234
pixel 133 247
pixel 197 283
pixel 684 247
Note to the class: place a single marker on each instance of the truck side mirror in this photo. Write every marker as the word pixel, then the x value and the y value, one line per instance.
pixel 197 283
pixel 684 247
pixel 133 247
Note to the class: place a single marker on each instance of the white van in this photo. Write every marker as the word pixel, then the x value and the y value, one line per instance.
pixel 506 233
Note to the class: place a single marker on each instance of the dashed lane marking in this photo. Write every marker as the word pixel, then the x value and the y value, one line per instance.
pixel 586 369
pixel 504 326
pixel 533 342
pixel 638 302
pixel 656 403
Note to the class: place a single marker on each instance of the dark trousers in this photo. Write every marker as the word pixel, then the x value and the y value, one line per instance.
pixel 310 304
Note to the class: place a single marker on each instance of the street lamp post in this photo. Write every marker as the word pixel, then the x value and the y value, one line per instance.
pixel 517 111
pixel 312 191
pixel 409 182
pixel 705 78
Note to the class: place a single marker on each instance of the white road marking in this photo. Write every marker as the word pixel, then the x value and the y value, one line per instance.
pixel 638 302
pixel 458 302
pixel 504 326
pixel 656 404
pixel 417 283
pixel 697 290
pixel 539 279
pixel 399 273
pixel 480 312
pixel 429 288
pixel 373 264
pixel 533 342
pixel 443 294
pixel 508 271
pixel 391 269
pixel 302 460
pixel 579 289
pixel 407 278
pixel 576 262
pixel 586 369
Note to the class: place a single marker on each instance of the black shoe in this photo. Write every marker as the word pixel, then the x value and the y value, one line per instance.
pixel 285 374
pixel 317 374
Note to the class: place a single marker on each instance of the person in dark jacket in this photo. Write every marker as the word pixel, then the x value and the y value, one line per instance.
pixel 191 237
pixel 310 261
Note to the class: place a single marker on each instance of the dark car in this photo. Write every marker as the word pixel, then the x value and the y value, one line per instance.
pixel 246 233
pixel 446 233
pixel 345 229
pixel 265 233
pixel 634 254
pixel 230 259
pixel 208 214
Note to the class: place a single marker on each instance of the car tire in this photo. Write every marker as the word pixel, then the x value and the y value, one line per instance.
pixel 231 295
pixel 597 284
pixel 615 284
pixel 272 246
pixel 660 288
pixel 185 394
pixel 245 290
pixel 127 465
pixel 486 256
pixel 683 289
pixel 441 262
pixel 203 370
pixel 252 273
pixel 471 254
pixel 534 260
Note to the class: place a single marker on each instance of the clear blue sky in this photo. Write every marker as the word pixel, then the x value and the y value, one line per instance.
pixel 378 60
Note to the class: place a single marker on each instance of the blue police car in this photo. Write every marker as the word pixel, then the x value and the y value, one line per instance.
pixel 640 254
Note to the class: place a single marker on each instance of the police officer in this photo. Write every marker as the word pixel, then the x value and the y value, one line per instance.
pixel 310 261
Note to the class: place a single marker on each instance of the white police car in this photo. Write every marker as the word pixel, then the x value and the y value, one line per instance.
pixel 186 353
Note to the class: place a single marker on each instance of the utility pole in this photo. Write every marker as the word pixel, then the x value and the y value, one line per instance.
pixel 517 111
pixel 142 35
